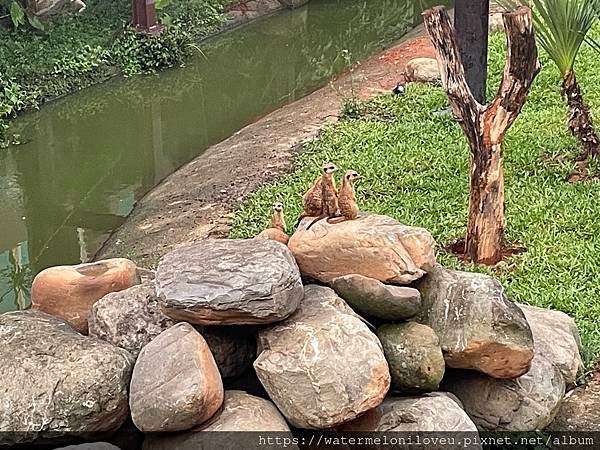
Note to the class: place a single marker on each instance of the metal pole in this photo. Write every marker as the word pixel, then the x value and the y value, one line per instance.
pixel 471 19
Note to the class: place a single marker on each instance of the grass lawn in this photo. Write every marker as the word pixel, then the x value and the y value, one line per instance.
pixel 415 168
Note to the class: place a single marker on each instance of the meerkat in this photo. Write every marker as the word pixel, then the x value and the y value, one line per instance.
pixel 313 199
pixel 347 198
pixel 277 229
pixel 329 195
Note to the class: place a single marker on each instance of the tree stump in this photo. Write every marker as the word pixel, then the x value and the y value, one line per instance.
pixel 486 125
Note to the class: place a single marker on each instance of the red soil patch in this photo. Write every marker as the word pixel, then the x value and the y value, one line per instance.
pixel 387 69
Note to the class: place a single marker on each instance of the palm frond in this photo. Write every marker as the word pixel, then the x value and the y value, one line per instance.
pixel 561 26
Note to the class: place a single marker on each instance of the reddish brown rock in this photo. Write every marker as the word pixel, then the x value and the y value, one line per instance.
pixel 175 384
pixel 69 292
pixel 373 246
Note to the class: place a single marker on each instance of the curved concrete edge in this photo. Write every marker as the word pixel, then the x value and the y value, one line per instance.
pixel 196 202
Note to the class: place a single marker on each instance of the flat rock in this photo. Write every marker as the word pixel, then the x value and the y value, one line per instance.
pixel 423 70
pixel 580 410
pixel 528 403
pixel 175 383
pixel 225 282
pixel 56 382
pixel 478 326
pixel 130 318
pixel 322 366
pixel 427 413
pixel 374 246
pixel 414 355
pixel 371 297
pixel 241 412
pixel 69 292
pixel 556 337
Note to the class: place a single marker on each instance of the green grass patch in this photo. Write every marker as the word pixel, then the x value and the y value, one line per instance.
pixel 415 167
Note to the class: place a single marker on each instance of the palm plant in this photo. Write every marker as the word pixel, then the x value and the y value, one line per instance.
pixel 562 26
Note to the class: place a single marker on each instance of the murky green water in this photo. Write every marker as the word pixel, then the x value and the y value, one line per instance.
pixel 90 156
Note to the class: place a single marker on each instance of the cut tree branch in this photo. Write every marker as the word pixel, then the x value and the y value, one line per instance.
pixel 486 126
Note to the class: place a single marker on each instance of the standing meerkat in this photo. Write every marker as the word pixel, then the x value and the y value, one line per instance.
pixel 277 229
pixel 312 201
pixel 329 195
pixel 347 198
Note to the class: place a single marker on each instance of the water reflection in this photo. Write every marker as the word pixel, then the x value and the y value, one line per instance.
pixel 89 157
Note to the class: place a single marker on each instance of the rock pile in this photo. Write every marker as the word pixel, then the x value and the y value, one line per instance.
pixel 377 328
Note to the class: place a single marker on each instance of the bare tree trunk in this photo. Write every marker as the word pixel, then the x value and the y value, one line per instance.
pixel 580 120
pixel 486 126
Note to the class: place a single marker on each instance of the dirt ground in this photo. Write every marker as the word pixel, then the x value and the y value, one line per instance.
pixel 196 202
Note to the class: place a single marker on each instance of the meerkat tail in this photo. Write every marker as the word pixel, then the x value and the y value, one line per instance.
pixel 334 220
pixel 302 216
pixel 315 221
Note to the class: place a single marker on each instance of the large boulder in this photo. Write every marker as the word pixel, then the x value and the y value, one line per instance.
pixel 322 366
pixel 129 319
pixel 414 355
pixel 556 337
pixel 527 403
pixel 428 413
pixel 423 70
pixel 225 281
pixel 371 297
pixel 478 326
pixel 175 383
pixel 241 412
pixel 374 246
pixel 56 382
pixel 69 292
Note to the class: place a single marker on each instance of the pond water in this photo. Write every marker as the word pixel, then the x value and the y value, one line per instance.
pixel 90 156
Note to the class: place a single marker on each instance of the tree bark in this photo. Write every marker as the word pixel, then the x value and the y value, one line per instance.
pixel 486 126
pixel 580 120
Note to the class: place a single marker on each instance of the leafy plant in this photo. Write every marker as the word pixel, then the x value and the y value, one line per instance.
pixel 562 27
pixel 19 15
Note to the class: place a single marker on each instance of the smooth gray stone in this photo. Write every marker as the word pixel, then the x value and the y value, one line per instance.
pixel 478 326
pixel 371 297
pixel 229 282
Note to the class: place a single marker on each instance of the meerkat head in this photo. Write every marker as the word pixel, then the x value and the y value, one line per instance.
pixel 329 168
pixel 351 175
pixel 277 207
